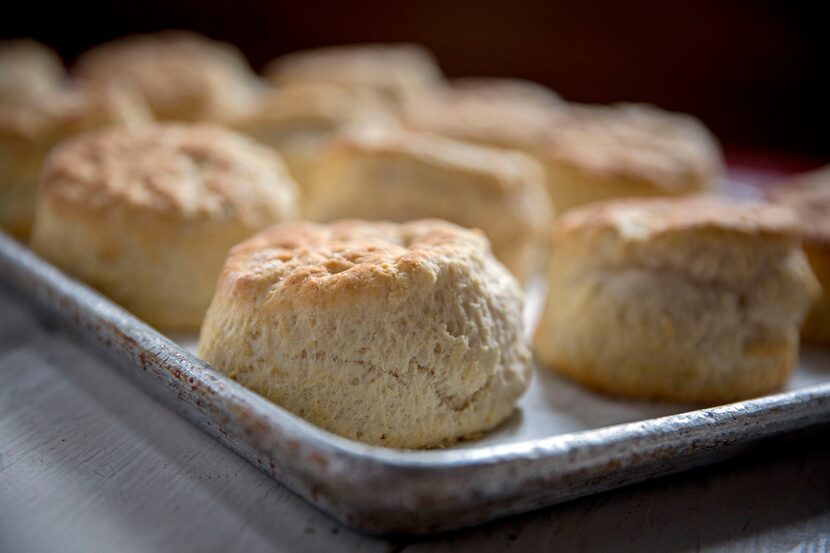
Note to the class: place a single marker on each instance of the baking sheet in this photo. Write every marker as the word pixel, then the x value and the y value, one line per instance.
pixel 562 443
pixel 554 405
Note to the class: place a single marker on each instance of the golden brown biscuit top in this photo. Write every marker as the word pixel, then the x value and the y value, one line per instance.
pixel 707 242
pixel 322 104
pixel 642 219
pixel 387 67
pixel 508 170
pixel 503 112
pixel 186 171
pixel 28 68
pixel 66 111
pixel 174 70
pixel 670 150
pixel 340 261
pixel 809 196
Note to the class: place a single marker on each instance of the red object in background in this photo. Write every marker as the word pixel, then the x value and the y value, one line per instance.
pixel 763 168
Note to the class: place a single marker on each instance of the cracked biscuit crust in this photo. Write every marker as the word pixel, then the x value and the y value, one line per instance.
pixel 404 335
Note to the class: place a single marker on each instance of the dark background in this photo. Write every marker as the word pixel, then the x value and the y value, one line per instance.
pixel 755 72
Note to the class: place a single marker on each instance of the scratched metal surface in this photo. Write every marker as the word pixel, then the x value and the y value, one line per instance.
pixel 386 491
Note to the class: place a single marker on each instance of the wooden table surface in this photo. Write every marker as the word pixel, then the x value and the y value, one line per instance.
pixel 89 463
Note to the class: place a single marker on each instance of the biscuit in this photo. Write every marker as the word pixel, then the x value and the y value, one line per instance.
pixel 399 175
pixel 31 125
pixel 390 70
pixel 406 336
pixel 28 68
pixel 504 113
pixel 589 153
pixel 147 215
pixel 599 153
pixel 181 75
pixel 298 121
pixel 694 299
pixel 809 196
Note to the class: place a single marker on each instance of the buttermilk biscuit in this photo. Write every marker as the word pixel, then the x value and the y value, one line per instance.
pixel 28 68
pixel 181 75
pixel 31 125
pixel 399 175
pixel 298 121
pixel 505 113
pixel 406 336
pixel 147 215
pixel 809 196
pixel 688 299
pixel 391 70
pixel 603 152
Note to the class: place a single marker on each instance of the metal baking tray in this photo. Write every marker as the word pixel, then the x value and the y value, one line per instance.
pixel 562 443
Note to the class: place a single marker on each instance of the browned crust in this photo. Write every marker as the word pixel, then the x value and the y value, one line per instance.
pixel 185 171
pixel 315 262
pixel 643 218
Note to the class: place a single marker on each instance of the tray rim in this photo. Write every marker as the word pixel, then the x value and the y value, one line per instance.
pixel 382 490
